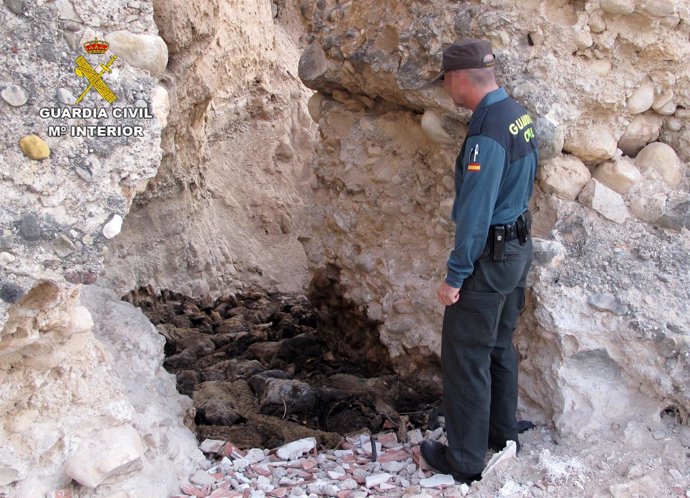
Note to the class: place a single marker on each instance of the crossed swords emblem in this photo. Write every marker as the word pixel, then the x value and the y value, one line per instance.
pixel 85 70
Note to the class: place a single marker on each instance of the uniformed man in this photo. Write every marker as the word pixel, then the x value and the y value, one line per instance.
pixel 484 288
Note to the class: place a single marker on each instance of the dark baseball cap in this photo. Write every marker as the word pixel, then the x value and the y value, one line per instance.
pixel 466 54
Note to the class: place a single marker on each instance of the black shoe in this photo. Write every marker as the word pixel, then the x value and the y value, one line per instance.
pixel 434 453
pixel 522 426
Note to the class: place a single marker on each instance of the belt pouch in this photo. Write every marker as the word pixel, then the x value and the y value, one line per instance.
pixel 498 241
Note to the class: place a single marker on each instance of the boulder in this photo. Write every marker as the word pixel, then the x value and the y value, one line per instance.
pixel 564 176
pixel 618 175
pixel 644 128
pixel 605 201
pixel 592 144
pixel 662 158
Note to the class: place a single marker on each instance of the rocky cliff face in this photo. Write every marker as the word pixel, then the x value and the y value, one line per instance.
pixel 607 326
pixel 240 176
pixel 83 397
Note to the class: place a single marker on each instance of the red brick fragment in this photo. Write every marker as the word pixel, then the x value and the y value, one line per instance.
pixel 190 490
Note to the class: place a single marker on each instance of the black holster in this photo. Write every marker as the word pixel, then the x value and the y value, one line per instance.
pixel 498 243
pixel 523 226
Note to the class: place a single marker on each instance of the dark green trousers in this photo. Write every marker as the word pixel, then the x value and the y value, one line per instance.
pixel 479 360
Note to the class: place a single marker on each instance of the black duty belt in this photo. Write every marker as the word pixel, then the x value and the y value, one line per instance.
pixel 500 234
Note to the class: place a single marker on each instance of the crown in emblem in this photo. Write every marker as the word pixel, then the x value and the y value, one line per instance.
pixel 96 46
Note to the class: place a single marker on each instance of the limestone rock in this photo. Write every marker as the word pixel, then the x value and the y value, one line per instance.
pixel 676 216
pixel 605 201
pixel 649 208
pixel 34 147
pixel 618 6
pixel 563 176
pixel 662 158
pixel 591 144
pixel 433 127
pixel 147 52
pixel 643 129
pixel 618 175
pixel 659 8
pixel 296 449
pixel 665 104
pixel 105 455
pixel 641 99
pixel 113 227
pixel 550 137
pixel 160 105
pixel 14 95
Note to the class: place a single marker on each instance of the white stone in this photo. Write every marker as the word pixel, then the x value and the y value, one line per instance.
pixel 605 201
pixel 64 96
pixel 645 486
pixel 110 453
pixel 296 449
pixel 664 104
pixel 644 128
pixel 113 227
pixel 160 105
pixel 376 479
pixel 201 478
pixel 255 455
pixel 662 158
pixel 641 99
pixel 618 175
pixel 593 143
pixel 563 176
pixel 618 6
pixel 211 445
pixel 6 258
pixel 650 208
pixel 659 8
pixel 433 127
pixel 14 95
pixel 437 480
pixel 147 52
pixel 415 436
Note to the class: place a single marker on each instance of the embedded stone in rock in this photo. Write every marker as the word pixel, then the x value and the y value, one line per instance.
pixel 147 52
pixel 34 147
pixel 160 105
pixel 641 130
pixel 16 6
pixel 605 201
pixel 437 480
pixel 548 253
pixel 659 8
pixel 591 143
pixel 111 453
pixel 11 293
pixel 618 175
pixel 113 227
pixel 563 176
pixel 29 227
pixel 649 209
pixel 641 99
pixel 662 158
pixel 295 449
pixel 15 95
pixel 664 104
pixel 550 137
pixel 676 216
pixel 63 246
pixel 313 65
pixel 65 97
pixel 314 106
pixel 618 6
pixel 433 127
pixel 607 302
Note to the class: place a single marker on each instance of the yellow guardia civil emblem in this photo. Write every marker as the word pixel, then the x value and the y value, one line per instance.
pixel 85 70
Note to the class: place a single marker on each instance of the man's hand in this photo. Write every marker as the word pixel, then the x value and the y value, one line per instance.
pixel 447 295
